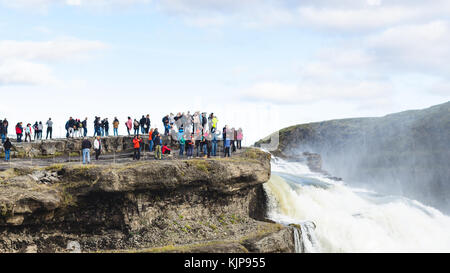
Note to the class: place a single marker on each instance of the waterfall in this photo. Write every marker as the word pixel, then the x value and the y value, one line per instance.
pixel 350 219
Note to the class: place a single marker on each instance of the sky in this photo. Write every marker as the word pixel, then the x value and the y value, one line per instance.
pixel 261 65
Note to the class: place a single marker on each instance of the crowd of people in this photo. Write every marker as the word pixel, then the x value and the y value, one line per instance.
pixel 196 134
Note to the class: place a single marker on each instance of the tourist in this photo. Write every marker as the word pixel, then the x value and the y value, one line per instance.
pixel 84 124
pixel 116 126
pixel 150 140
pixel 214 144
pixel 143 123
pixel 102 127
pixel 28 132
pixel 49 128
pixel 36 131
pixel 147 124
pixel 166 124
pixel 214 124
pixel 181 141
pixel 137 147
pixel 2 131
pixel 97 147
pixel 239 137
pixel 136 127
pixel 129 124
pixel 106 126
pixel 86 148
pixel 19 131
pixel 70 126
pixel 190 146
pixel 227 147
pixel 7 147
pixel 157 143
pixel 76 127
pixel 5 130
pixel 80 128
pixel 165 150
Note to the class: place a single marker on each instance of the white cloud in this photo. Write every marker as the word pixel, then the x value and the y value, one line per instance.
pixel 25 62
pixel 414 45
pixel 312 91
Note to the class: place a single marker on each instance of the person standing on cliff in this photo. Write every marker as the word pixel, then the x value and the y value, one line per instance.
pixel 136 127
pixel 157 143
pixel 86 149
pixel 116 126
pixel 106 126
pixel 19 131
pixel 239 137
pixel 2 131
pixel 137 147
pixel 84 125
pixel 129 124
pixel 147 124
pixel 97 147
pixel 49 128
pixel 7 146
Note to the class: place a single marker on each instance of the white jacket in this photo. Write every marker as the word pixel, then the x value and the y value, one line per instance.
pixel 97 144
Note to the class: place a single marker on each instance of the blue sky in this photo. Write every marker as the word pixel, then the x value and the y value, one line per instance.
pixel 259 64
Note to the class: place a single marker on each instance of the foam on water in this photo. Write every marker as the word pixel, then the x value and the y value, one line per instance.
pixel 353 220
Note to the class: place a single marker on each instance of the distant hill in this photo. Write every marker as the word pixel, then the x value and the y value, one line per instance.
pixel 406 153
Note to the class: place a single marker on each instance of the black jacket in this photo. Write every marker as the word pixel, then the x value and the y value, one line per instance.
pixel 7 145
pixel 86 144
pixel 157 140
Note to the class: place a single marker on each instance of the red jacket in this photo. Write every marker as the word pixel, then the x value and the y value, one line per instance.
pixel 18 130
pixel 136 143
pixel 165 148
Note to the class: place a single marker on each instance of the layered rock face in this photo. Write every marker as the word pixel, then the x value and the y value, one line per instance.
pixel 138 206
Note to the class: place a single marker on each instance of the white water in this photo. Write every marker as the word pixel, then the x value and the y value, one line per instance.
pixel 349 219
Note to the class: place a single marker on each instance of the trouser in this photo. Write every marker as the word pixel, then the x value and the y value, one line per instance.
pixel 128 130
pixel 227 151
pixel 181 149
pixel 84 133
pixel 214 148
pixel 146 130
pixel 142 130
pixel 136 131
pixel 3 138
pixel 71 130
pixel 190 150
pixel 36 135
pixel 7 155
pixel 86 156
pixel 137 153
pixel 102 131
pixel 166 130
pixel 40 134
pixel 19 137
pixel 239 144
pixel 116 132
pixel 106 132
pixel 27 135
pixel 49 131
pixel 97 153
pixel 158 152
pixel 205 150
pixel 150 145
pixel 208 148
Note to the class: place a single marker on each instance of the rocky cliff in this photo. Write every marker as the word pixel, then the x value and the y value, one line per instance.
pixel 210 205
pixel 405 153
